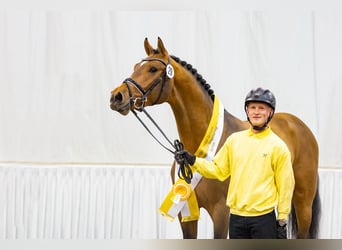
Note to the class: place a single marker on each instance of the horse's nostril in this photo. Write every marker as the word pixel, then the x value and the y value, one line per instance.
pixel 118 97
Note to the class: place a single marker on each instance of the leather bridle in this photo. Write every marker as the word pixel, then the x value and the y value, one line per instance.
pixel 139 102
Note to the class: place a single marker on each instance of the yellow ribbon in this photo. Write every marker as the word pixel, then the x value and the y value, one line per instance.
pixel 203 148
pixel 181 198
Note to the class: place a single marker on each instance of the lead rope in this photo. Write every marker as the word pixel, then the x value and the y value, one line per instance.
pixel 184 171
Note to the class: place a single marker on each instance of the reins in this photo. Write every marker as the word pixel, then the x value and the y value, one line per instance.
pixel 157 126
pixel 184 171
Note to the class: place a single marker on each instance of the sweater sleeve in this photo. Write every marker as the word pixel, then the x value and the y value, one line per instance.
pixel 285 183
pixel 218 168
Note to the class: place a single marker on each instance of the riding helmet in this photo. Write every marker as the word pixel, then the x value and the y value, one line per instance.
pixel 261 95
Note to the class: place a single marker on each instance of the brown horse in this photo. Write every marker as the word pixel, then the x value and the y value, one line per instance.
pixel 191 100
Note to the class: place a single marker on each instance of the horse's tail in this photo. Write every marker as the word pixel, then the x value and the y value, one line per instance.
pixel 316 215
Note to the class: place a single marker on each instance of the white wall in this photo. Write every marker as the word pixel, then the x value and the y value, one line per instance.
pixel 76 201
pixel 59 66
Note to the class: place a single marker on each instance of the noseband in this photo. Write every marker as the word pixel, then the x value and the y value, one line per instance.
pixel 144 93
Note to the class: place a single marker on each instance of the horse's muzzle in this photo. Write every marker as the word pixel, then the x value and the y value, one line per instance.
pixel 119 103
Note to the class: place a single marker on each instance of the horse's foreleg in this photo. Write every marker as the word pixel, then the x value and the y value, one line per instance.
pixel 214 202
pixel 189 229
pixel 220 218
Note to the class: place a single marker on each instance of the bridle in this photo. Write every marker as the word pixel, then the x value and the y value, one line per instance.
pixel 144 93
pixel 184 171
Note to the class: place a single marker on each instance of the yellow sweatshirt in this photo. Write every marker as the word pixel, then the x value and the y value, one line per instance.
pixel 261 173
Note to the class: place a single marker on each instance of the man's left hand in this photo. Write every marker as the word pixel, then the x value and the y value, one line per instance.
pixel 281 229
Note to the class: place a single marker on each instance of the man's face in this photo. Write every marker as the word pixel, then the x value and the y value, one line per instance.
pixel 258 113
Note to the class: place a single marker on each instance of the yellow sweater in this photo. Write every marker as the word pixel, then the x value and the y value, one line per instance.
pixel 261 173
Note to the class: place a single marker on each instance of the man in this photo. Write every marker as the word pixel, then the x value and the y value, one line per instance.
pixel 259 165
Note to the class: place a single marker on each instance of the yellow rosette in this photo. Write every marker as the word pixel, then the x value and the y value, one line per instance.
pixel 181 190
pixel 174 201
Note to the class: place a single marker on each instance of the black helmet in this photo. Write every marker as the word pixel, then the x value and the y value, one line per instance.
pixel 261 95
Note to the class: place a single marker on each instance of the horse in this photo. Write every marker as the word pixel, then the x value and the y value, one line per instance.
pixel 191 100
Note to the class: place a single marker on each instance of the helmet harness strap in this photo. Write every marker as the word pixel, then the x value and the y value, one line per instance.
pixel 260 128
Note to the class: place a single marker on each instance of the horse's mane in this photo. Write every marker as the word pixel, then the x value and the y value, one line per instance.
pixel 197 76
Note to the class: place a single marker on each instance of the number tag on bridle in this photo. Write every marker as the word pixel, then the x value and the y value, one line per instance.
pixel 169 71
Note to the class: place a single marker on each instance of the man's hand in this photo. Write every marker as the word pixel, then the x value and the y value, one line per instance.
pixel 281 229
pixel 184 156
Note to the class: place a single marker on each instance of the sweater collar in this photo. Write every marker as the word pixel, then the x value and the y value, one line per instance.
pixel 261 134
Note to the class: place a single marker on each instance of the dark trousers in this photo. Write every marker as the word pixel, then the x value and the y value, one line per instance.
pixel 253 227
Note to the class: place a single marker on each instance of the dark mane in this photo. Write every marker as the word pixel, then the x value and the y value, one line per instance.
pixel 198 76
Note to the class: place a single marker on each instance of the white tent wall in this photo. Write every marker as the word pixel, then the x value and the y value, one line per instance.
pixel 60 142
pixel 111 202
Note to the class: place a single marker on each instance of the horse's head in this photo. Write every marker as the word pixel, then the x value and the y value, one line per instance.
pixel 149 84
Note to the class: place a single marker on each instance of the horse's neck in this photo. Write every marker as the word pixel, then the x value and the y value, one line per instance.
pixel 232 124
pixel 193 118
pixel 192 109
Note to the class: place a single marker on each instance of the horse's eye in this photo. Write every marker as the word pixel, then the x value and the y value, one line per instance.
pixel 153 69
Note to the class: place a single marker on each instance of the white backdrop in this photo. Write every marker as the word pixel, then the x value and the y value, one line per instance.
pixel 57 69
pixel 58 66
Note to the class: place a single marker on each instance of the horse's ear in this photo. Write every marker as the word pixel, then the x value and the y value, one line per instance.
pixel 148 47
pixel 161 47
